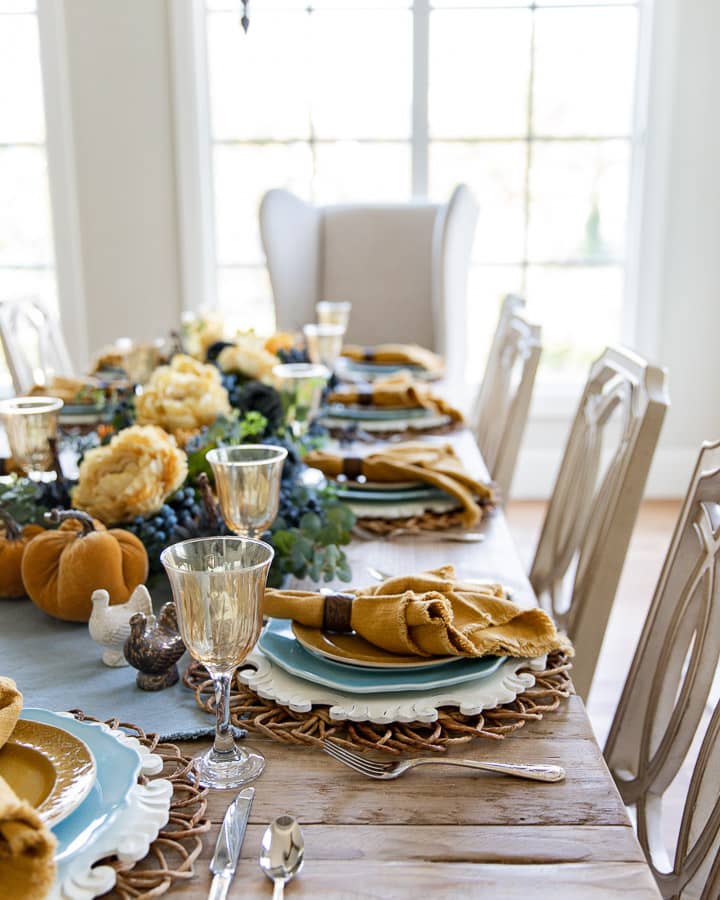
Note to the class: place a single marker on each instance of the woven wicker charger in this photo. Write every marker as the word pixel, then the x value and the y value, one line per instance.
pixel 172 854
pixel 280 723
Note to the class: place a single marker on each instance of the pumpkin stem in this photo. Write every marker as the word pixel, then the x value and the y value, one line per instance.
pixel 13 532
pixel 56 516
pixel 208 500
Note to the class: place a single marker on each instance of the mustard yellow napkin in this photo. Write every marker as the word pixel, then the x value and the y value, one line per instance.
pixel 400 354
pixel 398 391
pixel 435 464
pixel 27 847
pixel 432 614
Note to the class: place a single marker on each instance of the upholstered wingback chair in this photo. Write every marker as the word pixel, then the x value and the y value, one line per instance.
pixel 403 267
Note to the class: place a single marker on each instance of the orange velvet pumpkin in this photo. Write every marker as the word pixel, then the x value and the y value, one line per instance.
pixel 62 568
pixel 12 550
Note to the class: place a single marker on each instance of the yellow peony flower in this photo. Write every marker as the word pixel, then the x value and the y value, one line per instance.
pixel 131 476
pixel 182 396
pixel 249 357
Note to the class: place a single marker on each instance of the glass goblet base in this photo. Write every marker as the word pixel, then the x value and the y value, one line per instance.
pixel 223 771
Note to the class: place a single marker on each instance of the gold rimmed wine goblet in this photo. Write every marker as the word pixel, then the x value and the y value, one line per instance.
pixel 324 343
pixel 247 482
pixel 31 423
pixel 300 386
pixel 218 585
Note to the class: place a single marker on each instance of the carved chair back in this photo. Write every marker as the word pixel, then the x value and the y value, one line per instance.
pixel 664 711
pixel 595 501
pixel 33 343
pixel 502 405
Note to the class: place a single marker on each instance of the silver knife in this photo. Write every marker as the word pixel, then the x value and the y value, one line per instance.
pixel 229 844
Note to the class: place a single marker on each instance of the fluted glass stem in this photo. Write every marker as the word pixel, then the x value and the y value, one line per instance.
pixel 224 741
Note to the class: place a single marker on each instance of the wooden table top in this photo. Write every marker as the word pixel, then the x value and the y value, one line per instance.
pixel 440 832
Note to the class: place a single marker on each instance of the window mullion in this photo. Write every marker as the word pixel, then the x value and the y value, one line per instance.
pixel 421 71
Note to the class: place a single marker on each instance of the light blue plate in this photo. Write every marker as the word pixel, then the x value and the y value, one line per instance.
pixel 375 414
pixel 118 767
pixel 279 644
pixel 391 496
pixel 373 368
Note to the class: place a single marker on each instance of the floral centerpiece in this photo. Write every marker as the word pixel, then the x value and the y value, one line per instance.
pixel 147 471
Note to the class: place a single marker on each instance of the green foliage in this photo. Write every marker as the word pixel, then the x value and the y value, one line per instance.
pixel 225 430
pixel 19 497
pixel 308 535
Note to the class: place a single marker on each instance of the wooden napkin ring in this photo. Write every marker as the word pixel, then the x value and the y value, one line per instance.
pixel 337 613
pixel 352 467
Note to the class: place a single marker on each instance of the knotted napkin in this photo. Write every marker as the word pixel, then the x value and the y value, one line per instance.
pixel 430 614
pixel 400 354
pixel 27 847
pixel 397 391
pixel 435 464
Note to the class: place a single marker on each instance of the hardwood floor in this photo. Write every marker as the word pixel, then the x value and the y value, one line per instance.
pixel 645 557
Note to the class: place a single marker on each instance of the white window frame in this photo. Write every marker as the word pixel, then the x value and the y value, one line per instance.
pixel 61 161
pixel 552 402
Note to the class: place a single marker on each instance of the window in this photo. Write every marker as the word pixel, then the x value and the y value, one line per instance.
pixel 529 103
pixel 26 244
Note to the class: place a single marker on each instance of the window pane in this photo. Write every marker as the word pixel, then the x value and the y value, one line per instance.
pixel 584 71
pixel 578 200
pixel 580 309
pixel 21 99
pixel 351 172
pixel 25 234
pixel 242 175
pixel 245 299
pixel 495 172
pixel 487 286
pixel 234 5
pixel 361 74
pixel 259 82
pixel 17 6
pixel 479 73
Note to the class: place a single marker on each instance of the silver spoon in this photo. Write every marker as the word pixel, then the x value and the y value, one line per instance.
pixel 282 853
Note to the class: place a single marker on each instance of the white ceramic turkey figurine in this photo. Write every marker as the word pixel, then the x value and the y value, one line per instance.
pixel 110 625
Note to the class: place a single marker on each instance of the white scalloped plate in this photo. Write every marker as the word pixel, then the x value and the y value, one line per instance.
pixel 472 697
pixel 118 818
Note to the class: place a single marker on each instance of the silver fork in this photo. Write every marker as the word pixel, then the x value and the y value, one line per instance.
pixel 390 770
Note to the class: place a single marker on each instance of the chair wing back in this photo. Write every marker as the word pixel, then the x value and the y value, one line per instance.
pixel 380 259
pixel 33 343
pixel 665 698
pixel 501 409
pixel 290 230
pixel 452 251
pixel 596 498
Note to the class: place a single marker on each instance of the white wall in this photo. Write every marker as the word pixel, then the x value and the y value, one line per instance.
pixel 122 121
pixel 121 98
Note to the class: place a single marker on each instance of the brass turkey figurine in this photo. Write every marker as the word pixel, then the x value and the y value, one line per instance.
pixel 153 648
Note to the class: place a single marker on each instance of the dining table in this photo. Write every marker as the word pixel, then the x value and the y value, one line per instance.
pixel 442 831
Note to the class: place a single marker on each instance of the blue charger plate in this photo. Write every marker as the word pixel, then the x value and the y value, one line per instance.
pixel 391 496
pixel 279 644
pixel 118 767
pixel 375 414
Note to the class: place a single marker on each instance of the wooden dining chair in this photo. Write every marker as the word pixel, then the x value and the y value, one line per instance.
pixel 500 412
pixel 665 699
pixel 595 501
pixel 33 343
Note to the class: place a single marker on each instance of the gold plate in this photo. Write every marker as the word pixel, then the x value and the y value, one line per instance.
pixel 353 650
pixel 50 768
